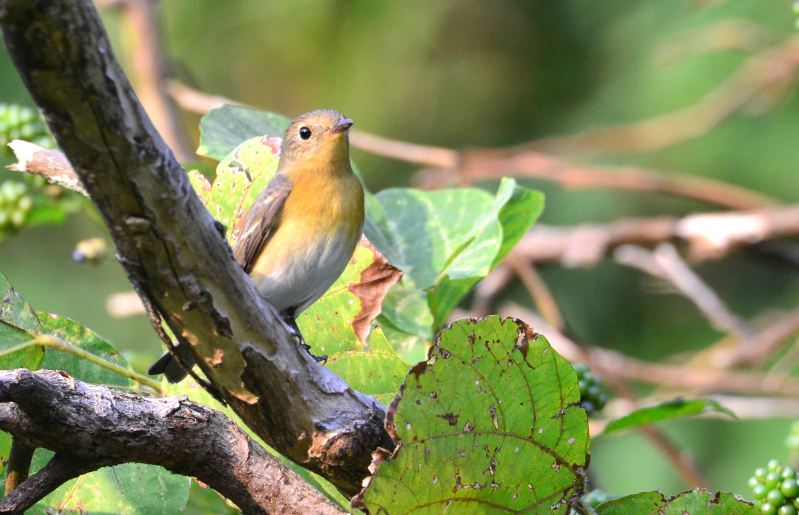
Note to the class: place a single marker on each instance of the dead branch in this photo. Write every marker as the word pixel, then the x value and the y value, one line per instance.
pixel 90 426
pixel 173 251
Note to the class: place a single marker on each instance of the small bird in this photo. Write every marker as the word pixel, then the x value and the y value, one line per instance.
pixel 303 228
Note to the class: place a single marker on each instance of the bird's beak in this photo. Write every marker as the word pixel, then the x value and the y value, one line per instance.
pixel 342 125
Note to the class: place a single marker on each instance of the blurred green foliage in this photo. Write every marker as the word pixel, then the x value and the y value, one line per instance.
pixel 464 73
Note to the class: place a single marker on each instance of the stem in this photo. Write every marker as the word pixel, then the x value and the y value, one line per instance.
pixel 53 342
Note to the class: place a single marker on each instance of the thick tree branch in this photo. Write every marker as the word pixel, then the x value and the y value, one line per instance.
pixel 173 251
pixel 93 426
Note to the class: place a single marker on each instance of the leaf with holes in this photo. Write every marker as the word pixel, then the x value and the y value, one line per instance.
pixel 338 325
pixel 693 501
pixel 489 422
pixel 675 408
pixel 240 177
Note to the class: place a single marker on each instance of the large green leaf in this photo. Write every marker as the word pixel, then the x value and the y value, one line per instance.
pixel 675 408
pixel 446 241
pixel 488 423
pixel 131 488
pixel 224 128
pixel 694 501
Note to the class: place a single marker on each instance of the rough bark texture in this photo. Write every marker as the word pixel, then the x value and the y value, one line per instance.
pixel 93 426
pixel 173 252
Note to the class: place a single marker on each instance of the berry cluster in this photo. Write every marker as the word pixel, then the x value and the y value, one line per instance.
pixel 775 489
pixel 593 396
pixel 19 122
pixel 15 205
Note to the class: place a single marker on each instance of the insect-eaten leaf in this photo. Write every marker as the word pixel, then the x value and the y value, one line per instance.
pixel 675 408
pixel 488 423
pixel 692 501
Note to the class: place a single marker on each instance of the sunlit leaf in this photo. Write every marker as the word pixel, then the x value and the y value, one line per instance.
pixel 489 423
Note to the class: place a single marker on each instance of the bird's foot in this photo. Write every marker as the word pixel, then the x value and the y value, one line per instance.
pixel 319 359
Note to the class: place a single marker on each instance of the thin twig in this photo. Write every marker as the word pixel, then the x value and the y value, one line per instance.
pixel 665 263
pixel 610 363
pixel 759 82
pixel 448 166
pixel 761 345
pixel 539 292
pixel 55 343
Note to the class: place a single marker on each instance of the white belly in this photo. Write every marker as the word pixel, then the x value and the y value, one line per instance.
pixel 308 276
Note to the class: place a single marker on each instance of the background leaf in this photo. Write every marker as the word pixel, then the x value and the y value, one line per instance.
pixel 694 501
pixel 130 488
pixel 488 423
pixel 676 408
pixel 224 128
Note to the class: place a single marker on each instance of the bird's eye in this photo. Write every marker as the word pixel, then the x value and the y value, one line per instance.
pixel 305 132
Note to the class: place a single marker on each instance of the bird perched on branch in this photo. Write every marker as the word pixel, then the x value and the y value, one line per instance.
pixel 301 231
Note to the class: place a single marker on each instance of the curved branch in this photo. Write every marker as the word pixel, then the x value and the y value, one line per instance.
pixel 93 426
pixel 173 251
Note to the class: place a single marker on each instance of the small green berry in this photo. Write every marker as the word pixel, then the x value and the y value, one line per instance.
pixel 25 204
pixel 774 465
pixel 772 479
pixel 760 491
pixel 768 508
pixel 786 509
pixel 761 474
pixel 790 488
pixel 775 497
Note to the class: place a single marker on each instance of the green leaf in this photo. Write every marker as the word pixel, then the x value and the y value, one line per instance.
pixel 675 408
pixel 131 488
pixel 41 340
pixel 224 128
pixel 240 178
pixel 87 340
pixel 338 325
pixel 18 326
pixel 693 501
pixel 489 423
pixel 446 241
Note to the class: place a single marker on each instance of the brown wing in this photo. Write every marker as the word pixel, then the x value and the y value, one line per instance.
pixel 260 221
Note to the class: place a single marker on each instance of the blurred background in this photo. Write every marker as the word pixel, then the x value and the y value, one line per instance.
pixel 693 87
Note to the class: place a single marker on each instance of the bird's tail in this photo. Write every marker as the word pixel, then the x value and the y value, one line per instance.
pixel 168 366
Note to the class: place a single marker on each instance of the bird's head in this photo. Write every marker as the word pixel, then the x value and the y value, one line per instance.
pixel 317 137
